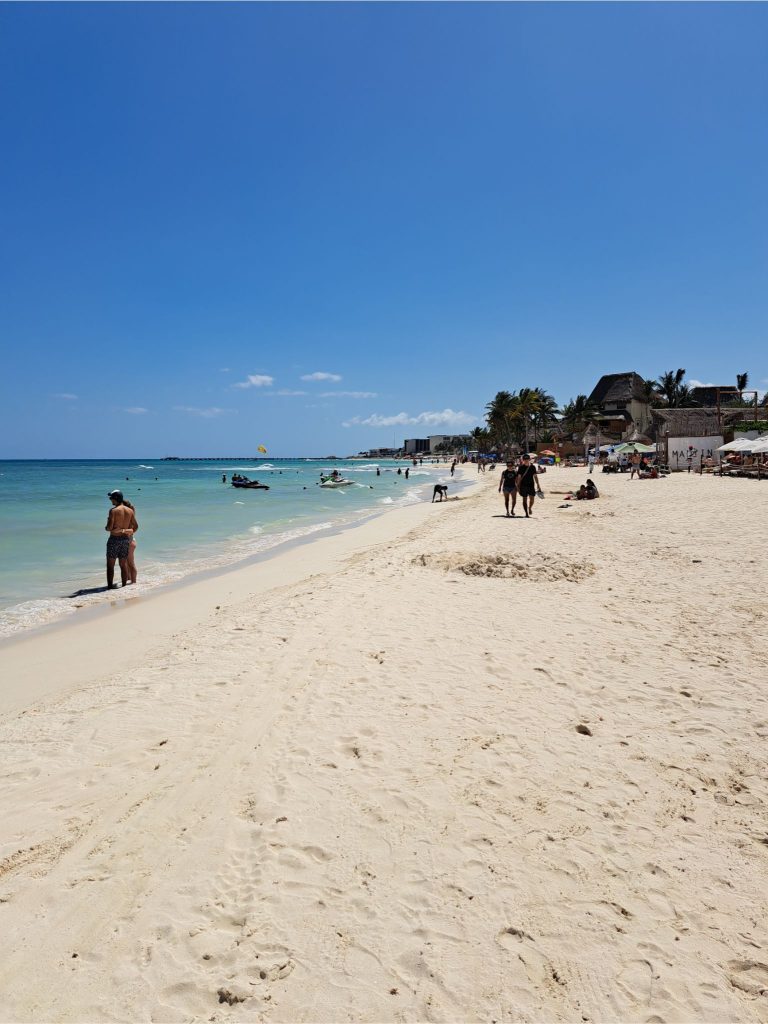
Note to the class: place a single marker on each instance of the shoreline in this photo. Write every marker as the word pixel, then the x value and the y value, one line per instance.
pixel 41 613
pixel 38 649
pixel 462 767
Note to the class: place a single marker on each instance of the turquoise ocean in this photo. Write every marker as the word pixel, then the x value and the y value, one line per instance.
pixel 53 513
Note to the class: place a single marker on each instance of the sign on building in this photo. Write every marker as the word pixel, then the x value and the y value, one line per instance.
pixel 697 449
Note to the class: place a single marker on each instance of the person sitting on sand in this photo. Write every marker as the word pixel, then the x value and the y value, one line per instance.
pixel 577 495
pixel 121 525
pixel 587 492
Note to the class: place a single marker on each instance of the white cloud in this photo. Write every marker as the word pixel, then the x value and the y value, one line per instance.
pixel 210 413
pixel 256 380
pixel 225 369
pixel 67 396
pixel 289 392
pixel 334 378
pixel 348 394
pixel 423 419
pixel 693 383
pixel 136 410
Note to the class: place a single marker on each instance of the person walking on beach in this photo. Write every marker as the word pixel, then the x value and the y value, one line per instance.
pixel 121 525
pixel 453 467
pixel 526 483
pixel 508 485
pixel 635 467
pixel 591 461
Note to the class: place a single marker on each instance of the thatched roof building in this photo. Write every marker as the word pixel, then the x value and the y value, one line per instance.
pixel 707 394
pixel 623 403
pixel 694 422
pixel 616 390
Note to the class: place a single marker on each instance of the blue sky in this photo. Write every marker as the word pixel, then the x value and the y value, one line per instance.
pixel 423 203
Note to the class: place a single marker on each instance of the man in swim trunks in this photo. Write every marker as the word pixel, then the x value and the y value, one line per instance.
pixel 526 483
pixel 507 483
pixel 121 524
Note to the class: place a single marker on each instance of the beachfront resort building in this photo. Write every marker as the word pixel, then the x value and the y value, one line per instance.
pixel 416 446
pixel 441 443
pixel 623 404
pixel 381 453
pixel 712 395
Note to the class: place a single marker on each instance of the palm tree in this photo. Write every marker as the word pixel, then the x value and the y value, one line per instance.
pixel 500 415
pixel 684 397
pixel 650 392
pixel 577 413
pixel 527 410
pixel 545 414
pixel 668 386
pixel 742 380
pixel 480 439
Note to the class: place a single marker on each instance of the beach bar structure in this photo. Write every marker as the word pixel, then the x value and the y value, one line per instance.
pixel 691 434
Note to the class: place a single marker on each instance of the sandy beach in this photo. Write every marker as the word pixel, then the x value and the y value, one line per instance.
pixel 446 766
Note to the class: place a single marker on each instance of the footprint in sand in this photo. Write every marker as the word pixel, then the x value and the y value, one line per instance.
pixel 749 976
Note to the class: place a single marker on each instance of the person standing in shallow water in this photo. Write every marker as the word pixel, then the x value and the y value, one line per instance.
pixel 133 572
pixel 121 526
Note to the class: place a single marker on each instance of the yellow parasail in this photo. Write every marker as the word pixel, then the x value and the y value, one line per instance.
pixel 262 449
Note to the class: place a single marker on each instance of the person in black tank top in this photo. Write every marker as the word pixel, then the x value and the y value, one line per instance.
pixel 526 483
pixel 508 485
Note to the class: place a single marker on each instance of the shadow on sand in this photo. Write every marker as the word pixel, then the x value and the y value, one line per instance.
pixel 87 591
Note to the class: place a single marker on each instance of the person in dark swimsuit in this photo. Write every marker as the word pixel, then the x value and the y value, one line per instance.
pixel 526 483
pixel 508 485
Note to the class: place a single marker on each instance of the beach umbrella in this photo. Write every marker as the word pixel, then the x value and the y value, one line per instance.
pixel 547 452
pixel 760 445
pixel 742 444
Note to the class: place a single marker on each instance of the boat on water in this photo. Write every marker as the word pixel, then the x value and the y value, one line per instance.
pixel 244 483
pixel 334 480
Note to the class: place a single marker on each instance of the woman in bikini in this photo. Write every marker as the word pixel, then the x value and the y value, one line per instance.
pixel 132 570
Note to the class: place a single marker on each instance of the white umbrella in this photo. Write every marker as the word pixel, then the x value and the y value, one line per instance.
pixel 740 445
pixel 760 445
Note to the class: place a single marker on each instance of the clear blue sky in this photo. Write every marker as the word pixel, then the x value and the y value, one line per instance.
pixel 429 202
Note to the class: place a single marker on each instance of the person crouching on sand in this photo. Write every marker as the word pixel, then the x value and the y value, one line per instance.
pixel 508 485
pixel 121 525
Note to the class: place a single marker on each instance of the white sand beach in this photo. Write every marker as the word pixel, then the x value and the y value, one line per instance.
pixel 446 766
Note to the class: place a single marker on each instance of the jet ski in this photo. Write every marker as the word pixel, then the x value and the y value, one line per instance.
pixel 244 483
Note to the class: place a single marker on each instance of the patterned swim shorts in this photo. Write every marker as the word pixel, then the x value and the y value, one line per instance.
pixel 117 547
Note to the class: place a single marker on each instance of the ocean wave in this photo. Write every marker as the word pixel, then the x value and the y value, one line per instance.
pixel 144 467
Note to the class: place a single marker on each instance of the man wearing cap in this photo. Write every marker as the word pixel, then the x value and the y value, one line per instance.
pixel 121 525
